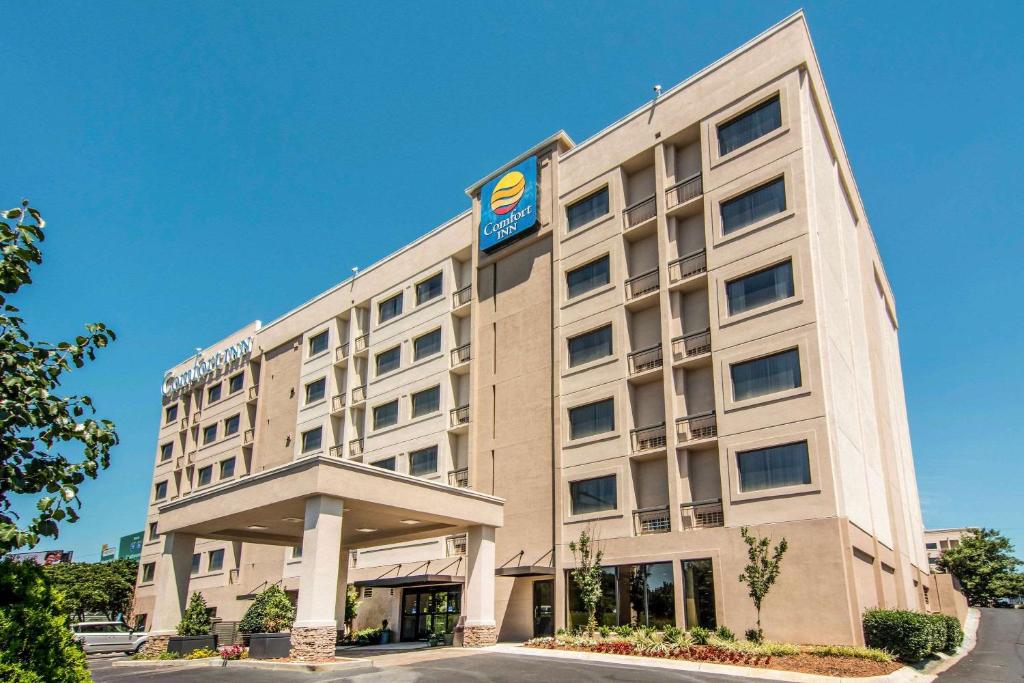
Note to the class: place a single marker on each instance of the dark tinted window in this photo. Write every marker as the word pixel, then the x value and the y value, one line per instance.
pixel 205 475
pixel 235 383
pixel 312 439
pixel 750 207
pixel 426 345
pixel 587 277
pixel 171 413
pixel 318 343
pixel 429 289
pixel 593 418
pixel 766 375
pixel 213 393
pixel 769 468
pixel 216 561
pixel 749 126
pixel 590 346
pixel 760 288
pixel 196 559
pixel 426 401
pixel 593 495
pixel 385 415
pixel 587 209
pixel 231 425
pixel 315 390
pixel 389 360
pixel 389 308
pixel 385 464
pixel 209 433
pixel 148 571
pixel 160 490
pixel 166 450
pixel 423 461
pixel 227 468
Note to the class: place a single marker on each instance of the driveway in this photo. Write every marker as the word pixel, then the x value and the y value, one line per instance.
pixel 999 654
pixel 446 665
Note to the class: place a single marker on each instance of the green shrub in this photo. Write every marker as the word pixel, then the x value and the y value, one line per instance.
pixel 604 631
pixel 911 636
pixel 196 619
pixel 202 653
pixel 673 634
pixel 155 655
pixel 368 636
pixel 270 612
pixel 625 630
pixel 725 633
pixel 36 644
pixel 851 651
pixel 763 649
pixel 700 635
pixel 954 633
pixel 754 635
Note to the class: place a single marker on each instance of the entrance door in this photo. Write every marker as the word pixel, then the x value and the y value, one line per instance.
pixel 543 608
pixel 430 609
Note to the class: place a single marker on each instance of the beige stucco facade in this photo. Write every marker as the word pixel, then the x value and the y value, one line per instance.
pixel 488 515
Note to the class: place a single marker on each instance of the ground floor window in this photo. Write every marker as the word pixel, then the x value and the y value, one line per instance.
pixel 699 593
pixel 430 609
pixel 641 594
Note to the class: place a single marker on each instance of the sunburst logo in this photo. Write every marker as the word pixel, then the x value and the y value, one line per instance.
pixel 508 192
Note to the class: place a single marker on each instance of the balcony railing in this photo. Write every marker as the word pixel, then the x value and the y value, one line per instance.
pixel 184 424
pixel 698 426
pixel 336 451
pixel 359 394
pixel 361 343
pixel 460 416
pixel 693 344
pixel 702 514
pixel 455 545
pixel 355 447
pixel 463 296
pixel 461 355
pixel 688 266
pixel 644 210
pixel 337 402
pixel 652 520
pixel 254 392
pixel 459 478
pixel 684 191
pixel 648 438
pixel 341 352
pixel 248 436
pixel 642 284
pixel 644 359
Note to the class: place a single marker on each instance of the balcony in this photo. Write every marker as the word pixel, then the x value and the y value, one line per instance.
pixel 686 268
pixel 461 299
pixel 644 360
pixel 459 416
pixel 640 213
pixel 341 354
pixel 460 359
pixel 337 403
pixel 682 192
pixel 697 427
pixel 254 393
pixel 702 514
pixel 355 447
pixel 336 451
pixel 455 545
pixel 248 436
pixel 691 345
pixel 183 425
pixel 361 343
pixel 648 438
pixel 652 520
pixel 358 394
pixel 641 285
pixel 459 478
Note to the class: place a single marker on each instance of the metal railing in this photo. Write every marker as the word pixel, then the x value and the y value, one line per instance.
pixel 461 355
pixel 461 297
pixel 702 514
pixel 456 545
pixel 688 266
pixel 337 402
pixel 652 520
pixel 459 416
pixel 355 447
pixel 697 426
pixel 693 344
pixel 644 210
pixel 648 438
pixel 459 478
pixel 642 284
pixel 336 451
pixel 341 353
pixel 359 393
pixel 247 436
pixel 254 392
pixel 184 424
pixel 362 342
pixel 684 191
pixel 644 359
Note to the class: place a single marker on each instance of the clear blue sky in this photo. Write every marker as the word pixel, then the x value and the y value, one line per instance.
pixel 257 151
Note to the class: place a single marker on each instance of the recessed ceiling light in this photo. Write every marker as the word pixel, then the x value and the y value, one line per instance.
pixel 410 521
pixel 292 520
pixel 366 531
pixel 258 527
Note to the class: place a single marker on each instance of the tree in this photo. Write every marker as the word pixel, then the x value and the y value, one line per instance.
pixel 196 619
pixel 761 570
pixel 351 606
pixel 983 562
pixel 104 587
pixel 587 575
pixel 270 612
pixel 1009 587
pixel 35 423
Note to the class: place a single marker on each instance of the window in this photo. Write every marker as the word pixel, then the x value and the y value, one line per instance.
pixel 235 383
pixel 166 451
pixel 426 345
pixel 385 464
pixel 769 468
pixel 385 415
pixel 749 126
pixel 607 612
pixel 311 440
pixel 931 546
pixel 205 475
pixel 215 560
pixel 766 375
pixel 148 572
pixel 153 534
pixel 587 277
pixel 209 433
pixel 426 401
pixel 592 418
pixel 196 559
pixel 389 360
pixel 213 393
pixel 590 346
pixel 430 288
pixel 227 468
pixel 587 209
pixel 699 579
pixel 423 461
pixel 296 552
pixel 315 391
pixel 171 413
pixel 750 207
pixel 160 490
pixel 760 288
pixel 593 495
pixel 231 425
pixel 318 343
pixel 389 308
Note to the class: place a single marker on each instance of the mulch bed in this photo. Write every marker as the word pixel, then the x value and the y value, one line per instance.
pixel 851 667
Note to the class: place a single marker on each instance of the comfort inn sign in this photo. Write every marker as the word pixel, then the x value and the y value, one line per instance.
pixel 508 205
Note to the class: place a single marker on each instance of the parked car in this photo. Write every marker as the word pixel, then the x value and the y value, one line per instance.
pixel 108 636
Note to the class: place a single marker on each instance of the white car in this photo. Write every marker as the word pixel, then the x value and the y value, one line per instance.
pixel 108 636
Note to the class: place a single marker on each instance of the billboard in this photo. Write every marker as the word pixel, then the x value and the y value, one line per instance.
pixel 130 546
pixel 43 557
pixel 107 553
pixel 508 205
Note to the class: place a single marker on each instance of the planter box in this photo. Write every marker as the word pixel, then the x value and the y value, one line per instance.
pixel 270 645
pixel 183 645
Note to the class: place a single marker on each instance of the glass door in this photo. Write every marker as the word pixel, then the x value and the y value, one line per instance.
pixel 430 609
pixel 543 608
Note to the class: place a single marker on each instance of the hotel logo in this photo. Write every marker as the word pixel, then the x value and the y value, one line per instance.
pixel 508 205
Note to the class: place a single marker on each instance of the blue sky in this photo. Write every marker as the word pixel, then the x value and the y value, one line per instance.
pixel 257 151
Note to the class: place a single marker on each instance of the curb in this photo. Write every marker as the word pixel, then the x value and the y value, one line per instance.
pixel 354 666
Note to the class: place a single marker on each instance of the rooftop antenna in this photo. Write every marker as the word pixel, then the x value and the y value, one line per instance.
pixel 657 90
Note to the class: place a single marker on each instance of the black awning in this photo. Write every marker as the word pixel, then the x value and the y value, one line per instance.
pixel 411 580
pixel 525 570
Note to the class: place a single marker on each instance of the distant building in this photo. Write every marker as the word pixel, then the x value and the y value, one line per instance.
pixel 938 541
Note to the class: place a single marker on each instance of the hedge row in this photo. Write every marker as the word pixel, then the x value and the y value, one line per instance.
pixel 911 636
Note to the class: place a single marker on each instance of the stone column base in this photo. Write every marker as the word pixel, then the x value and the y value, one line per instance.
pixel 154 645
pixel 313 643
pixel 479 636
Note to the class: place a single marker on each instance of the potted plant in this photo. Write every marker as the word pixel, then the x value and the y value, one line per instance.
pixel 268 616
pixel 194 629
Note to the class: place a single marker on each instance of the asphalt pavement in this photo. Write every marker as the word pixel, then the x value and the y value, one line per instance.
pixel 999 655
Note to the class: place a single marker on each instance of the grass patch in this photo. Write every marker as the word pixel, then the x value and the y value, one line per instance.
pixel 874 654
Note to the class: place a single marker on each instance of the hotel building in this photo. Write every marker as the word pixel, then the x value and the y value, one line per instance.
pixel 676 328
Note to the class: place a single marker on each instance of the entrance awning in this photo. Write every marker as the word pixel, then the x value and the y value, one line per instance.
pixel 525 570
pixel 412 580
